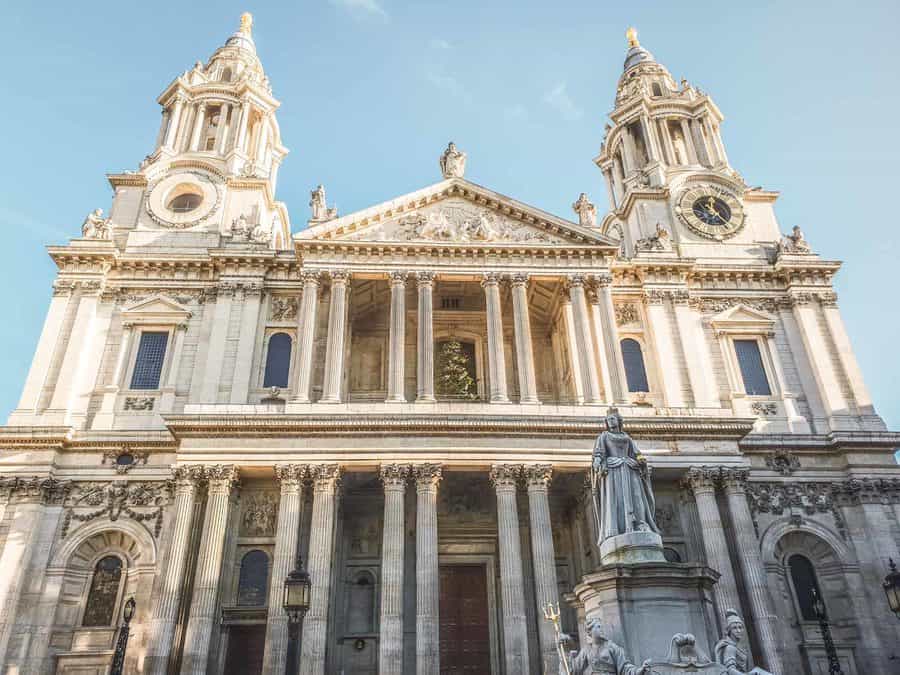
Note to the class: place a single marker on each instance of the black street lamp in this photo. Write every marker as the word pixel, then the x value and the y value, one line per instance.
pixel 296 603
pixel 122 643
pixel 891 588
pixel 834 666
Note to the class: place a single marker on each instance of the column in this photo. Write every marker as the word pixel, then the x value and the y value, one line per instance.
pixel 202 619
pixel 610 335
pixel 610 188
pixel 846 356
pixel 572 349
pixel 390 642
pixel 306 334
pixel 397 339
pixel 543 557
pixel 667 358
pixel 199 121
pixel 584 341
pixel 105 417
pixel 524 346
pixel 496 359
pixel 215 355
pixel 804 368
pixel 163 125
pixel 425 339
pixel 754 575
pixel 91 355
pixel 512 585
pixel 243 365
pixel 696 353
pixel 222 129
pixel 427 575
pixel 702 482
pixel 829 387
pixel 688 141
pixel 597 342
pixel 167 400
pixel 75 349
pixel 337 327
pixel 290 509
pixel 651 141
pixel 241 138
pixel 326 480
pixel 168 596
pixel 174 122
pixel 668 146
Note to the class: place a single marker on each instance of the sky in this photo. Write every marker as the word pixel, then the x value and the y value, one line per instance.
pixel 372 91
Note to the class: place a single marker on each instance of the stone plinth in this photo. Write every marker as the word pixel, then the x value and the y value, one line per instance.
pixel 643 605
pixel 632 547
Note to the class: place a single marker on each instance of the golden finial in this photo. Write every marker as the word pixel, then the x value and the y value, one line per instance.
pixel 246 23
pixel 631 34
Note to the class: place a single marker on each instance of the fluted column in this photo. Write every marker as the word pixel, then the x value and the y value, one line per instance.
pixel 543 557
pixel 397 339
pixel 688 141
pixel 512 584
pixel 326 480
pixel 241 137
pixel 202 618
pixel 754 575
pixel 425 339
pixel 496 359
pixel 290 508
pixel 337 327
pixel 174 122
pixel 199 119
pixel 702 482
pixel 168 596
pixel 524 346
pixel 390 643
pixel 427 576
pixel 222 128
pixel 306 336
pixel 584 340
pixel 607 311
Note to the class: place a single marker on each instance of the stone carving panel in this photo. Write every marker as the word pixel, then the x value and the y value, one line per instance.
pixel 142 502
pixel 258 514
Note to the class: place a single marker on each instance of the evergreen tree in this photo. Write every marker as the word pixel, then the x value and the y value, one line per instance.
pixel 454 379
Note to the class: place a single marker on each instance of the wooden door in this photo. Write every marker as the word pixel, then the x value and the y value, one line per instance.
pixel 245 650
pixel 465 633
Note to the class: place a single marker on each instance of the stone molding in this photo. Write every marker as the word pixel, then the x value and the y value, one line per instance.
pixel 783 461
pixel 140 501
pixel 36 489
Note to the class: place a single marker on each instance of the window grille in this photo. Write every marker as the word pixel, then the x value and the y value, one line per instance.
pixel 149 362
pixel 752 370
pixel 635 372
pixel 278 361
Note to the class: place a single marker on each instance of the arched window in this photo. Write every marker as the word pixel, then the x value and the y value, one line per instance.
pixel 656 89
pixel 253 579
pixel 803 578
pixel 226 75
pixel 100 608
pixel 361 604
pixel 278 361
pixel 635 372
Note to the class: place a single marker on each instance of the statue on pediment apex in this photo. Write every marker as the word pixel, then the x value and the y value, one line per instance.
pixel 319 206
pixel 587 212
pixel 453 162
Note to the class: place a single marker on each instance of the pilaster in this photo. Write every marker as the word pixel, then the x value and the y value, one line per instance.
pixel 427 477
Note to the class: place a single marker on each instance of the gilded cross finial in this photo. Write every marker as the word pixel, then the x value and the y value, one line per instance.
pixel 246 23
pixel 631 34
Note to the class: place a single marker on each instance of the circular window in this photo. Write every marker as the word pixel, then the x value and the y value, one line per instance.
pixel 183 200
pixel 185 203
pixel 125 459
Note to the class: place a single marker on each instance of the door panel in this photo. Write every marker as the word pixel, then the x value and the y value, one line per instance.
pixel 465 632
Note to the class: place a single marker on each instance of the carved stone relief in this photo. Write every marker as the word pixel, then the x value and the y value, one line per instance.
pixel 142 502
pixel 258 514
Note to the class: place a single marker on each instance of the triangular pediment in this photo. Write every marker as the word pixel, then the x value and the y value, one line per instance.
pixel 158 308
pixel 455 211
pixel 742 317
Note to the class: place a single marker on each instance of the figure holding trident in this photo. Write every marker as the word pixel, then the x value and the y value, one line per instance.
pixel 552 614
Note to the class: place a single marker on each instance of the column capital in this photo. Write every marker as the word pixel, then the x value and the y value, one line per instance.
pixel 187 477
pixel 291 476
pixel 538 476
pixel 339 277
pixel 701 479
pixel 394 476
pixel 490 279
pixel 427 476
pixel 520 279
pixel 325 476
pixel 603 279
pixel 505 476
pixel 734 480
pixel 221 477
pixel 398 278
pixel 575 281
pixel 310 277
pixel 424 278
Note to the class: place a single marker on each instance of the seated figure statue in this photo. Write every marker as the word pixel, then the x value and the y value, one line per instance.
pixel 600 656
pixel 729 650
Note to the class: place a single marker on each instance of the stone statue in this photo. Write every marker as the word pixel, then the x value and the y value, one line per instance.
pixel 656 242
pixel 453 162
pixel 587 212
pixel 600 656
pixel 319 206
pixel 620 479
pixel 794 242
pixel 729 651
pixel 261 234
pixel 95 226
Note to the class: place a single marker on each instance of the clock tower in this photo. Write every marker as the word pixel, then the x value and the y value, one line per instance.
pixel 671 187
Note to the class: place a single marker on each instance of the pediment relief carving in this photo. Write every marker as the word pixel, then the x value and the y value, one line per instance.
pixel 156 308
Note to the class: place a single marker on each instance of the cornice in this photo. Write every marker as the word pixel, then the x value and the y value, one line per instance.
pixel 836 440
pixel 127 180
pixel 65 438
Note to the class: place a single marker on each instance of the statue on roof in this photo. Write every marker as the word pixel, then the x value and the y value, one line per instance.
pixel 587 212
pixel 794 242
pixel 320 210
pixel 453 162
pixel 95 226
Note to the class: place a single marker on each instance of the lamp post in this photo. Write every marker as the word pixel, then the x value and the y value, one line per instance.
pixel 891 588
pixel 834 666
pixel 122 643
pixel 296 603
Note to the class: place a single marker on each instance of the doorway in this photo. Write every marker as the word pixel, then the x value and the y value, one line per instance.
pixel 465 641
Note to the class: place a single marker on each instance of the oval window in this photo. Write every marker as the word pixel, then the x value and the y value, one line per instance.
pixel 185 202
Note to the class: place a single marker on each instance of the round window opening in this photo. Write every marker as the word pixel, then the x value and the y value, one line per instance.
pixel 125 459
pixel 185 202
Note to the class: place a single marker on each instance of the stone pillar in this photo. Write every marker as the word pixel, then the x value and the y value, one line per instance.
pixel 845 353
pixel 572 349
pixel 390 643
pixel 427 575
pixel 222 128
pixel 241 138
pixel 754 575
pixel 512 584
pixel 243 366
pixel 543 557
pixel 306 334
pixel 337 327
pixel 830 391
pixel 287 533
pixel 215 355
pixel 696 354
pixel 326 481
pixel 688 141
pixel 202 619
pixel 174 123
pixel 668 370
pixel 702 482
pixel 584 341
pixel 199 119
pixel 425 339
pixel 167 598
pixel 496 359
pixel 396 356
pixel 524 347
pixel 650 138
pixel 610 336
pixel 167 400
pixel 75 350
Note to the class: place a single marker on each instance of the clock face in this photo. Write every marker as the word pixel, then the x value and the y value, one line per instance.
pixel 711 211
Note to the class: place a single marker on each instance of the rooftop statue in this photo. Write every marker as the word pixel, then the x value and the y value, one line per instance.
pixel 587 212
pixel 453 162
pixel 95 226
pixel 600 656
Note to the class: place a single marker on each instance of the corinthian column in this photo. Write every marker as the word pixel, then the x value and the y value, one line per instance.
pixel 610 338
pixel 702 482
pixel 290 508
pixel 543 556
pixel 425 340
pixel 174 122
pixel 168 596
pixel 512 585
pixel 202 619
pixel 584 341
pixel 764 619
pixel 326 480
pixel 396 374
pixel 337 327
pixel 199 119
pixel 427 578
pixel 524 347
pixel 496 359
pixel 390 644
pixel 306 331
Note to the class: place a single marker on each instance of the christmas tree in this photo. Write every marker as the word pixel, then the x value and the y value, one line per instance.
pixel 454 379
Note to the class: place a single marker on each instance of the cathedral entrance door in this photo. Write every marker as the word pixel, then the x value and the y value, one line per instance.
pixel 245 650
pixel 465 631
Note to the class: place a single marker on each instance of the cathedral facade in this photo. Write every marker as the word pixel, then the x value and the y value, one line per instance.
pixel 406 398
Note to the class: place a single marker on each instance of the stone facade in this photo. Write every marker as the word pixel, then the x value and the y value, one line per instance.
pixel 212 396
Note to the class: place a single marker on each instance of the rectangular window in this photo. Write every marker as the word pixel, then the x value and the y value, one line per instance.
pixel 752 370
pixel 149 361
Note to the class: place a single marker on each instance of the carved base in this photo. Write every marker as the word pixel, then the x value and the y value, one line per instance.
pixel 632 547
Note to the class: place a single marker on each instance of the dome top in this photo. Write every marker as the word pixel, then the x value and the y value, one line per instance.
pixel 636 54
pixel 243 38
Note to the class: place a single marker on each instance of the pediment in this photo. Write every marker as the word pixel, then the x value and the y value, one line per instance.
pixel 157 308
pixel 455 212
pixel 742 317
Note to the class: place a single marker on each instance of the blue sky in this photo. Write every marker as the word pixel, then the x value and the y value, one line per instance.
pixel 372 90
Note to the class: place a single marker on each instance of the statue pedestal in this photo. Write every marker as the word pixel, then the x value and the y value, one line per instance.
pixel 644 604
pixel 632 547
